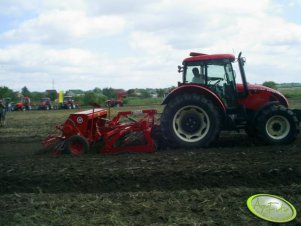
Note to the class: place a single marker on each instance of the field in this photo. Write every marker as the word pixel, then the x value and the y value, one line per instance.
pixel 170 187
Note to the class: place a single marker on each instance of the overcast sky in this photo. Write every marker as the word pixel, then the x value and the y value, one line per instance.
pixel 78 44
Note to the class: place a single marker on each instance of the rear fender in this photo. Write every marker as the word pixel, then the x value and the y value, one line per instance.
pixel 199 90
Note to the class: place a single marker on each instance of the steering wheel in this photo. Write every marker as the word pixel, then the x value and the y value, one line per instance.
pixel 215 79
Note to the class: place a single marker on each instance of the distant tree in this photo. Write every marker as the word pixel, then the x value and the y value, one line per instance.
pixel 25 91
pixel 270 84
pixel 131 92
pixel 89 97
pixel 6 92
pixel 110 93
pixel 78 99
pixel 160 92
pixel 92 97
pixel 97 90
pixel 145 93
pixel 102 99
pixel 36 96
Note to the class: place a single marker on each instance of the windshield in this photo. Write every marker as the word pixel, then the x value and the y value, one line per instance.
pixel 206 72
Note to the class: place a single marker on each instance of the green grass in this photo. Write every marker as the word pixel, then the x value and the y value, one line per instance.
pixel 291 93
pixel 142 101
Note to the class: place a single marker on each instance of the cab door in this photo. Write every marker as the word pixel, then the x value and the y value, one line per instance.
pixel 221 80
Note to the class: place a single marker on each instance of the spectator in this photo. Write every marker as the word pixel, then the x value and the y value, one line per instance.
pixel 2 113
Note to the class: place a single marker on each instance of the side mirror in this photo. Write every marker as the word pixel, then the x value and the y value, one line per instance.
pixel 180 69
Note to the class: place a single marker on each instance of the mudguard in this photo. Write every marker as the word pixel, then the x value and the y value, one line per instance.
pixel 201 90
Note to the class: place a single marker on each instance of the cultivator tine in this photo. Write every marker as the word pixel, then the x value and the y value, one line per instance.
pixel 58 149
pixel 53 145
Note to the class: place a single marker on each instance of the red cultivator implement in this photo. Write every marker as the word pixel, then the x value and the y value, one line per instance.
pixel 86 129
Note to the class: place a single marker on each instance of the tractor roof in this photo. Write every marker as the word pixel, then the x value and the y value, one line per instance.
pixel 201 56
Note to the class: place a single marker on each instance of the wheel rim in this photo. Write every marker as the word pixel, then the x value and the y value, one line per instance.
pixel 191 123
pixel 76 148
pixel 278 127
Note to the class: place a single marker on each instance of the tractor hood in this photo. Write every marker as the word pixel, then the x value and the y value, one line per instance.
pixel 258 88
pixel 260 94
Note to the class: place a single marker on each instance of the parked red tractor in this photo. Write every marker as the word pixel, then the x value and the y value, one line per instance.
pixel 45 104
pixel 194 115
pixel 69 103
pixel 117 102
pixel 25 104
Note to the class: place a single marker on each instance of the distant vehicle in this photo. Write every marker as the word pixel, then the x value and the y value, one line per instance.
pixel 45 104
pixel 25 104
pixel 69 103
pixel 117 102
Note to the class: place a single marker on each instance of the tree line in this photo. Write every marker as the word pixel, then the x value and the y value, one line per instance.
pixel 97 95
pixel 275 85
pixel 100 96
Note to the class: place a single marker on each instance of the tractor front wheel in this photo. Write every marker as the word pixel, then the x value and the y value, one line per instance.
pixel 277 125
pixel 190 121
pixel 76 145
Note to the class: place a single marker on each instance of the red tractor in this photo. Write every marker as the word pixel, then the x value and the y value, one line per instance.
pixel 69 103
pixel 25 104
pixel 45 104
pixel 200 108
pixel 117 102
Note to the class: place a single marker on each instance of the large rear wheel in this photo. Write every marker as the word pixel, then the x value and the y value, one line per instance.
pixel 277 125
pixel 190 121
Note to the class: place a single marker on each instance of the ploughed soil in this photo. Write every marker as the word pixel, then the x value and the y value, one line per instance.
pixel 170 187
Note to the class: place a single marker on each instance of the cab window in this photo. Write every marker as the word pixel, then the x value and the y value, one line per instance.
pixel 195 74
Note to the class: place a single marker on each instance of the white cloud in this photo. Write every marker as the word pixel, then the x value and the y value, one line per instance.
pixel 149 43
pixel 64 25
pixel 37 65
pixel 18 8
pixel 122 44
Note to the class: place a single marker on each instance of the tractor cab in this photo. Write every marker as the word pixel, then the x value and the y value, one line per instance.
pixel 213 72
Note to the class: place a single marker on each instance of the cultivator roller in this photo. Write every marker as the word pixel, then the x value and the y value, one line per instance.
pixel 128 131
